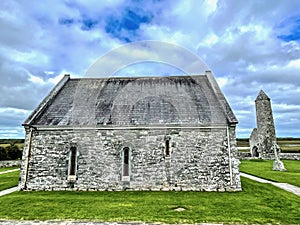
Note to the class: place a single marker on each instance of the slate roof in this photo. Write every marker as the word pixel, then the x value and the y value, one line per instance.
pixel 181 100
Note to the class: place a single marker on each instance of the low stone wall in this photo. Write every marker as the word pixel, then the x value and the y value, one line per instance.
pixel 244 155
pixel 10 163
pixel 294 156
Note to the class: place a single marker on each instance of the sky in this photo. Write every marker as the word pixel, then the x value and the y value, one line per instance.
pixel 248 45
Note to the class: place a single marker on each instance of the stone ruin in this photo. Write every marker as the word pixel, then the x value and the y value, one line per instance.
pixel 262 140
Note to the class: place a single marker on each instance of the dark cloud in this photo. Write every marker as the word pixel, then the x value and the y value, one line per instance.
pixel 66 21
pixel 11 117
pixel 17 90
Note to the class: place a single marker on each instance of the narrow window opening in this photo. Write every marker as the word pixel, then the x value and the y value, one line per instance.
pixel 72 164
pixel 167 147
pixel 126 161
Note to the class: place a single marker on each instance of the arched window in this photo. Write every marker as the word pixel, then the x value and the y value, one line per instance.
pixel 72 163
pixel 126 161
pixel 125 164
pixel 255 151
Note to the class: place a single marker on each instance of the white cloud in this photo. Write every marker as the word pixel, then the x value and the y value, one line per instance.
pixel 294 64
pixel 209 40
pixel 56 79
pixel 222 81
pixel 11 111
pixel 36 80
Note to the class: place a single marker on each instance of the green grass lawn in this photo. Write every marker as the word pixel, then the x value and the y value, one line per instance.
pixel 8 180
pixel 263 168
pixel 257 203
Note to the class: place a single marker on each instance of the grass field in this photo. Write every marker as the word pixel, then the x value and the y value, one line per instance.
pixel 263 168
pixel 8 180
pixel 8 168
pixel 257 203
pixel 20 145
pixel 286 144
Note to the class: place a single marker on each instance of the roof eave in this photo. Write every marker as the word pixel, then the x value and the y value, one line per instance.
pixel 221 98
pixel 40 108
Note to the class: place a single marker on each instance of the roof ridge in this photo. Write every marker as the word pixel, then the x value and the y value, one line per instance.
pixel 138 77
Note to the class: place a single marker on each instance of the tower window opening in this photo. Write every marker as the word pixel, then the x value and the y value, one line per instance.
pixel 167 145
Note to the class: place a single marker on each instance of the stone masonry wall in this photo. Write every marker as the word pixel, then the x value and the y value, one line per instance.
pixel 10 163
pixel 198 160
pixel 292 156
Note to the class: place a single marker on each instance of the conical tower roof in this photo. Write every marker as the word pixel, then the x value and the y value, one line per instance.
pixel 262 96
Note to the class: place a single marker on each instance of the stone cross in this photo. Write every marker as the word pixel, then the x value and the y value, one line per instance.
pixel 278 164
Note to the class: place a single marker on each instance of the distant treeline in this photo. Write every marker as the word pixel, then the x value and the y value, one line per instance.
pixel 11 152
pixel 11 149
pixel 11 141
pixel 288 139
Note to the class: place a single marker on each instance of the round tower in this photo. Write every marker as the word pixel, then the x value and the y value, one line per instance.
pixel 265 126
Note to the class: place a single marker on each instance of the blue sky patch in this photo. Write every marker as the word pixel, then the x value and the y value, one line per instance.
pixel 290 29
pixel 88 24
pixel 129 21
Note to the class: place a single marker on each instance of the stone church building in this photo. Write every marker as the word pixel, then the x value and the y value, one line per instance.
pixel 138 133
